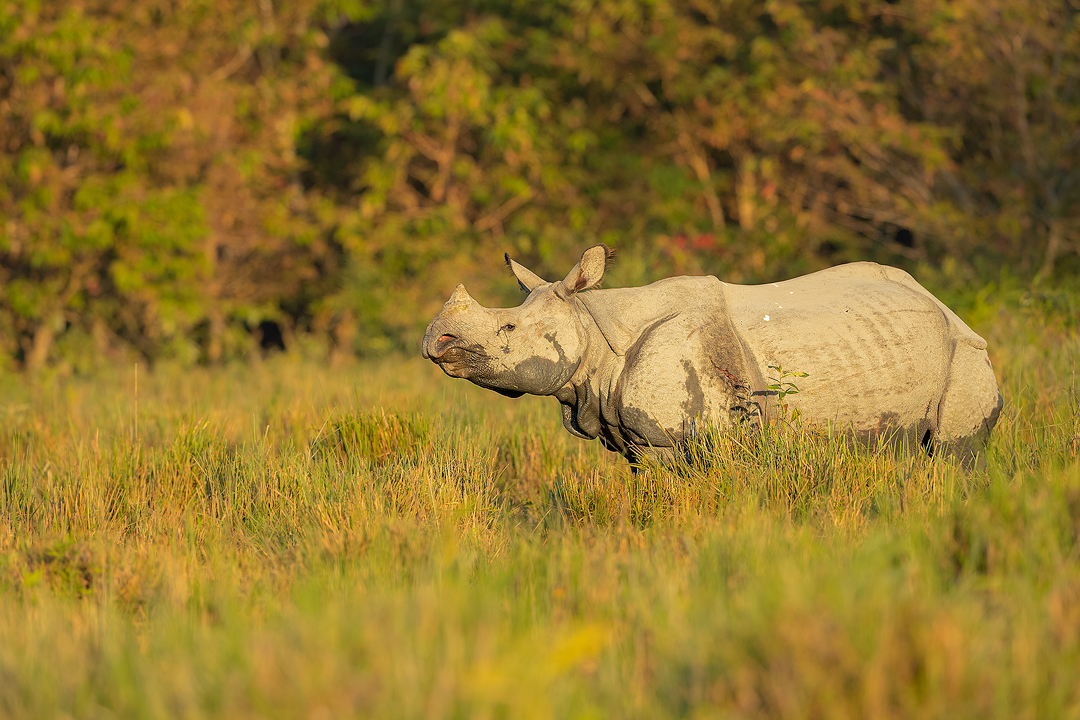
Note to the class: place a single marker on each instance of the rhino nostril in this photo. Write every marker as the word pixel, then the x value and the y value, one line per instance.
pixel 447 338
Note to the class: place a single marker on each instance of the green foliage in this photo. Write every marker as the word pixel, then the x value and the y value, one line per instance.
pixel 175 175
pixel 128 214
pixel 782 386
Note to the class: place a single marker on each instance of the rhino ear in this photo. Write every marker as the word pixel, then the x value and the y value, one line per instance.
pixel 589 272
pixel 527 279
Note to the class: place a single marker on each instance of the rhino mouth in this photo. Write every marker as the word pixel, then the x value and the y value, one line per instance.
pixel 457 359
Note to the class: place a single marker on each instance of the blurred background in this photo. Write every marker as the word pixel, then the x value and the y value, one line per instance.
pixel 196 181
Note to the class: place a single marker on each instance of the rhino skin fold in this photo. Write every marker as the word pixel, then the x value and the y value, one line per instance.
pixel 641 368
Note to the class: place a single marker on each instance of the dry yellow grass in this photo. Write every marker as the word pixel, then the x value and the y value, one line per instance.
pixel 292 540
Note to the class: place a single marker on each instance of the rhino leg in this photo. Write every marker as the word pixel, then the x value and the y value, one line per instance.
pixel 969 408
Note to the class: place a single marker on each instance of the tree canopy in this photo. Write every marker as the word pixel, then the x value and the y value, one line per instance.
pixel 176 174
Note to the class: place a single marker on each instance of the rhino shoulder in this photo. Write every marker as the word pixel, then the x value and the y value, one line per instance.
pixel 624 314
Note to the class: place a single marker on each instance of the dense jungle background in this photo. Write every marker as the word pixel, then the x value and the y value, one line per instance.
pixel 188 180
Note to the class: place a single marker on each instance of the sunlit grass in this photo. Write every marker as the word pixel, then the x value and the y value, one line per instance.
pixel 292 540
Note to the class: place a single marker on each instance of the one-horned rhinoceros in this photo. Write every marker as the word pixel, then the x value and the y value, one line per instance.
pixel 640 368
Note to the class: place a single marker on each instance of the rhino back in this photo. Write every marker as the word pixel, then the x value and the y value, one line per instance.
pixel 877 351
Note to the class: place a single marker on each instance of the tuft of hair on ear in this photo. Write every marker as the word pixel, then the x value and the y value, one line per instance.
pixel 610 257
pixel 510 269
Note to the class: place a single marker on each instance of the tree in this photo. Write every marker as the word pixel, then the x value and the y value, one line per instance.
pixel 150 180
pixel 1002 79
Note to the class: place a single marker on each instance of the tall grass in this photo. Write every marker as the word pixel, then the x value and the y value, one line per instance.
pixel 290 540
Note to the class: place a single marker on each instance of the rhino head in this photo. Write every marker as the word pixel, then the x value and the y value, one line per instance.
pixel 534 348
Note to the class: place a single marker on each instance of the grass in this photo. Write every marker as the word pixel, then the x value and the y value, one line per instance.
pixel 292 540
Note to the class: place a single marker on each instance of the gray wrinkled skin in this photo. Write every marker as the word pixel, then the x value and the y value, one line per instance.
pixel 640 368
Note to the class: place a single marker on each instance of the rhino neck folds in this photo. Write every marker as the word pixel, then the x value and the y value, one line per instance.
pixel 580 402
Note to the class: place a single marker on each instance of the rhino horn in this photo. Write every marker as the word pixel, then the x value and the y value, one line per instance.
pixel 460 296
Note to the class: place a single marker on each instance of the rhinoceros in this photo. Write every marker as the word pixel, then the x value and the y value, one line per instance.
pixel 642 368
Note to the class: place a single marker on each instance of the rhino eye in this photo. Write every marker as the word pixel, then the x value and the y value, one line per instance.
pixel 508 327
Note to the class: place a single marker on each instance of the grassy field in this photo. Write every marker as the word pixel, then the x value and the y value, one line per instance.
pixel 294 540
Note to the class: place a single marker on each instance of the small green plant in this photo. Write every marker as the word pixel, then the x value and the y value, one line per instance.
pixel 783 387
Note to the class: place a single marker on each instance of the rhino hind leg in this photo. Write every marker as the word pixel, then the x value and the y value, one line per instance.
pixel 969 408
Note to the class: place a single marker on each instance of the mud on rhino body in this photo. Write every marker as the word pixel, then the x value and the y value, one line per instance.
pixel 640 368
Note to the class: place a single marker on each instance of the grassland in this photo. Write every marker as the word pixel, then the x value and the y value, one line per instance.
pixel 294 540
